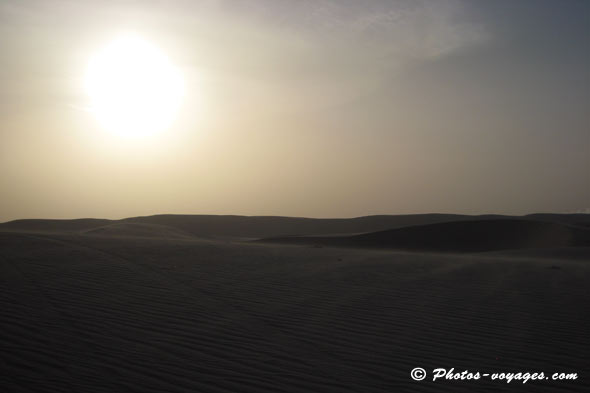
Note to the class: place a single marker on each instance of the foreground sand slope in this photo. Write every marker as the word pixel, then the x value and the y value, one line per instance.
pixel 83 313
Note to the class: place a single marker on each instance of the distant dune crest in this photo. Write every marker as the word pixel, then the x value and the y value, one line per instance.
pixel 419 232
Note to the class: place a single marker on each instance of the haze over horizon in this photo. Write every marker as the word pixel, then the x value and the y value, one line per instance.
pixel 313 108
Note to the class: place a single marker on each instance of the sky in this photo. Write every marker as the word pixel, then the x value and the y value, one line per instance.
pixel 318 108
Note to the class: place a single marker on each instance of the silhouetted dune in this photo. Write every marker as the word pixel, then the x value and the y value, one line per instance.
pixel 462 236
pixel 244 226
pixel 254 227
pixel 263 226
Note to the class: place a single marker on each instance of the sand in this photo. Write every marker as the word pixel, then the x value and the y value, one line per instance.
pixel 114 311
pixel 458 236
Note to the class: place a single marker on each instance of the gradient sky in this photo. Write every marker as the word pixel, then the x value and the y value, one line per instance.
pixel 318 108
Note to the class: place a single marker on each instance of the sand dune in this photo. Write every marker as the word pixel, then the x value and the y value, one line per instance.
pixel 260 227
pixel 130 314
pixel 462 236
pixel 126 229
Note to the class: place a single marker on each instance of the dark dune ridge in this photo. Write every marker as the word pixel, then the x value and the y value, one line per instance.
pixel 461 236
pixel 101 311
pixel 271 226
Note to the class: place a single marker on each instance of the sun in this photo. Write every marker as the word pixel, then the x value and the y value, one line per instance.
pixel 133 88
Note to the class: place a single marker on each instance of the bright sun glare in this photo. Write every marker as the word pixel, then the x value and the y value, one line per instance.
pixel 134 89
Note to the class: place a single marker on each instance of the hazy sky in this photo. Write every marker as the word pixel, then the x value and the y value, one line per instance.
pixel 318 108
